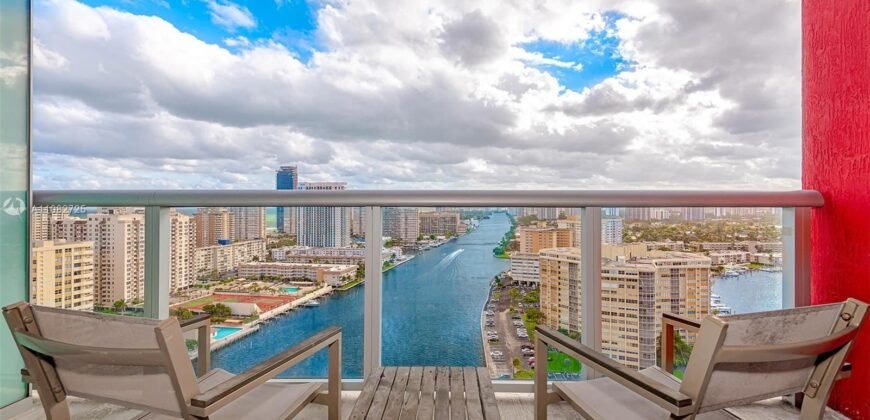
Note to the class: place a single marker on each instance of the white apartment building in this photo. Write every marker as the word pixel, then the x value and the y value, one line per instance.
pixel 62 274
pixel 42 219
pixel 331 274
pixel 402 224
pixel 525 268
pixel 225 258
pixel 767 258
pixel 344 255
pixel 247 223
pixel 119 253
pixel 182 246
pixel 611 231
pixel 323 226
pixel 729 257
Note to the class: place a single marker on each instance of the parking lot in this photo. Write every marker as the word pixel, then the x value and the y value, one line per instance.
pixel 506 336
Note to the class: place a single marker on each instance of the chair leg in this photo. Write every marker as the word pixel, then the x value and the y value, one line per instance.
pixel 334 381
pixel 541 398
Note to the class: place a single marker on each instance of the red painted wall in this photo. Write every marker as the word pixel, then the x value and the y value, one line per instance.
pixel 836 162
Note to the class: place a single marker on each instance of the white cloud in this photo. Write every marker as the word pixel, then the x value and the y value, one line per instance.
pixel 423 95
pixel 230 15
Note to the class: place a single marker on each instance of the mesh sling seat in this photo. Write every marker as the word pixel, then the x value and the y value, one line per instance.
pixel 143 364
pixel 737 360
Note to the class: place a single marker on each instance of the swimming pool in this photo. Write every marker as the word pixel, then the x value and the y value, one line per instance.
pixel 291 289
pixel 223 332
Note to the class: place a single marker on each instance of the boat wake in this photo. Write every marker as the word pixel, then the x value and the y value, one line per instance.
pixel 449 258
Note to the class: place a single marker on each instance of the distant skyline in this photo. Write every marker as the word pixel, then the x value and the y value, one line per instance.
pixel 213 94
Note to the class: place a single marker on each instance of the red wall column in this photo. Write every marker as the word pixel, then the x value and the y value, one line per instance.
pixel 836 162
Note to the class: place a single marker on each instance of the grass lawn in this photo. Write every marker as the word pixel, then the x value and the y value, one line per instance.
pixel 559 362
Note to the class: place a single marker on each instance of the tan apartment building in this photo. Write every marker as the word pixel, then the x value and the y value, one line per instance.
pixel 635 293
pixel 331 274
pixel 560 288
pixel 119 252
pixel 402 224
pixel 439 223
pixel 62 274
pixel 213 225
pixel 248 223
pixel 533 238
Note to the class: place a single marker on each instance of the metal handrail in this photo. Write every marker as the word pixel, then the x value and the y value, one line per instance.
pixel 429 198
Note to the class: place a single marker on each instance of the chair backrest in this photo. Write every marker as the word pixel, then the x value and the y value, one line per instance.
pixel 743 358
pixel 133 362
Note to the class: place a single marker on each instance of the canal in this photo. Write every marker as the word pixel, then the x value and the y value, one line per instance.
pixel 431 313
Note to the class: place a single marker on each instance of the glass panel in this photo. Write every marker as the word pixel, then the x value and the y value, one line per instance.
pixel 14 180
pixel 470 295
pixel 279 287
pixel 688 261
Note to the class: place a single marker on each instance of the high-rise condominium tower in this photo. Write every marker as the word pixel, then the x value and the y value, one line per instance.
pixel 248 223
pixel 119 253
pixel 402 224
pixel 287 178
pixel 182 247
pixel 212 226
pixel 323 226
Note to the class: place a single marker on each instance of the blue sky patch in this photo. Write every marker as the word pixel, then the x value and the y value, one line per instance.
pixel 292 23
pixel 598 55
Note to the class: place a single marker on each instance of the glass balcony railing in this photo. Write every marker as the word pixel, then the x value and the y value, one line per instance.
pixel 433 278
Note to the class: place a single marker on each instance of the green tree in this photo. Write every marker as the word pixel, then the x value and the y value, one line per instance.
pixel 119 306
pixel 218 311
pixel 514 294
pixel 191 344
pixel 182 314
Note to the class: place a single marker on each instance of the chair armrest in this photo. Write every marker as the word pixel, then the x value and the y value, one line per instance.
pixel 208 402
pixel 674 401
pixel 195 322
pixel 681 322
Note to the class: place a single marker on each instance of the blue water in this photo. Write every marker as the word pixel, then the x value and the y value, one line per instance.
pixel 752 291
pixel 224 332
pixel 291 289
pixel 431 313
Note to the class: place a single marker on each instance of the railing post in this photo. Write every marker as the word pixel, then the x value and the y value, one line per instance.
pixel 796 287
pixel 373 290
pixel 590 280
pixel 667 347
pixel 157 261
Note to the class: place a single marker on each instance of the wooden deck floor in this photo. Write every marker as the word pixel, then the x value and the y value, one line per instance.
pixel 513 406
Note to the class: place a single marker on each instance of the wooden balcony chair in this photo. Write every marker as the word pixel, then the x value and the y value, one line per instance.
pixel 143 364
pixel 737 360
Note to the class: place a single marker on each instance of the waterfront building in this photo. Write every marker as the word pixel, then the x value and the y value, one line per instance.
pixel 247 223
pixel 344 255
pixel 611 231
pixel 119 252
pixel 222 259
pixel 182 246
pixel 635 292
pixel 560 288
pixel 439 223
pixel 712 246
pixel 533 238
pixel 213 226
pixel 402 224
pixel 323 226
pixel 755 246
pixel 62 274
pixel 331 274
pixel 729 257
pixel 767 258
pixel 287 178
pixel 525 268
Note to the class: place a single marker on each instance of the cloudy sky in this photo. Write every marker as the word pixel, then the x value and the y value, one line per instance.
pixel 417 94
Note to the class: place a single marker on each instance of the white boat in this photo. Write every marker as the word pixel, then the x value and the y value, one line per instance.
pixel 312 302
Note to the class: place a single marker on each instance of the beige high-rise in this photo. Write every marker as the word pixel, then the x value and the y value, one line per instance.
pixel 402 224
pixel 560 288
pixel 213 225
pixel 248 223
pixel 62 274
pixel 635 293
pixel 119 253
pixel 439 223
pixel 182 247
pixel 533 239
